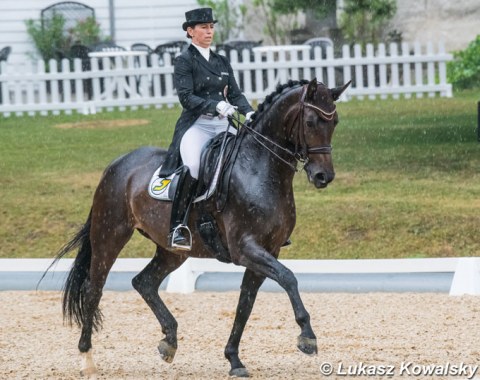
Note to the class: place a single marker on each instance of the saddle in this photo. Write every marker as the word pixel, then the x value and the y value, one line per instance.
pixel 216 165
pixel 213 175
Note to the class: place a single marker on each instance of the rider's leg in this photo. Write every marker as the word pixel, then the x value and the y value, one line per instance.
pixel 180 237
pixel 190 149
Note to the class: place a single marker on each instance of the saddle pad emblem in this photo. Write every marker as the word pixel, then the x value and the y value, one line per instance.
pixel 160 185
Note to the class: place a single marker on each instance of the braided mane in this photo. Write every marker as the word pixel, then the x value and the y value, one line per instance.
pixel 271 98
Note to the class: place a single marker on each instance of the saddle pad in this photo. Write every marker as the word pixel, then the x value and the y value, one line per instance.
pixel 163 188
pixel 158 188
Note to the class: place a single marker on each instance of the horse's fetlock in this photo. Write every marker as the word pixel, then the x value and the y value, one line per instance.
pixel 84 347
pixel 303 319
pixel 230 352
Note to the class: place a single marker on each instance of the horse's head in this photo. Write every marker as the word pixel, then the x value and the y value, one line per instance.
pixel 310 126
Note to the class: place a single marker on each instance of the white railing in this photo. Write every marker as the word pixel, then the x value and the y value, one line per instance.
pixel 129 82
pixel 466 270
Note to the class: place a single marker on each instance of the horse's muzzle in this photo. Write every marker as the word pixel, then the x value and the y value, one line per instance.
pixel 322 179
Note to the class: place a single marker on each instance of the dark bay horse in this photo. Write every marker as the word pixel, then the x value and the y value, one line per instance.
pixel 295 123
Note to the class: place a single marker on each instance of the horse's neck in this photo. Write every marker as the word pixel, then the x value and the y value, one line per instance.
pixel 272 121
pixel 265 151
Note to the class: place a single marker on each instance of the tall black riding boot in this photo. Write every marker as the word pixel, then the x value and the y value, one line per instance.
pixel 180 237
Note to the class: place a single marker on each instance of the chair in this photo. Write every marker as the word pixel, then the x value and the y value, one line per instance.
pixel 81 52
pixel 139 46
pixel 71 11
pixel 173 48
pixel 323 42
pixel 4 53
pixel 239 46
pixel 107 46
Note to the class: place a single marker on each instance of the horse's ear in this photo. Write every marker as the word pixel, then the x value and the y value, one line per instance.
pixel 312 89
pixel 337 91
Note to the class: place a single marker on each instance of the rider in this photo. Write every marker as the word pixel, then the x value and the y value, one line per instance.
pixel 208 93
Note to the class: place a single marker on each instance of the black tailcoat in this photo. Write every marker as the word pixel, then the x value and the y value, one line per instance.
pixel 200 85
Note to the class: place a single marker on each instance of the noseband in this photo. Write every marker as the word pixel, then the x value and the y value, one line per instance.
pixel 301 156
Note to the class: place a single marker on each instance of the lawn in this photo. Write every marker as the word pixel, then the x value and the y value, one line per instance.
pixel 407 185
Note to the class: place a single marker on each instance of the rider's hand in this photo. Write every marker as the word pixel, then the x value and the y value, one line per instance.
pixel 225 109
pixel 248 117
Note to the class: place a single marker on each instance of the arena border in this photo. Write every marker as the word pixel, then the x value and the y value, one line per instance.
pixel 464 271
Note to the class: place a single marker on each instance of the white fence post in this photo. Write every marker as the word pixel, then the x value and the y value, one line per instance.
pixel 183 279
pixel 466 279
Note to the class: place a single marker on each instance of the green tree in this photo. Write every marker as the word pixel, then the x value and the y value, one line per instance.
pixel 464 70
pixel 280 19
pixel 365 21
pixel 320 8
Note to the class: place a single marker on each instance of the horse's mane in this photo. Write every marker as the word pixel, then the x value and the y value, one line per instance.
pixel 271 98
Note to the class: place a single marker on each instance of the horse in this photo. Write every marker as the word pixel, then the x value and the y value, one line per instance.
pixel 294 124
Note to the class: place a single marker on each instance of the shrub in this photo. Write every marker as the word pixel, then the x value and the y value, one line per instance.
pixel 86 32
pixel 464 71
pixel 52 41
pixel 49 38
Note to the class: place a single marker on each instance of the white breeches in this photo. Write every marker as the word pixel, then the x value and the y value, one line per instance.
pixel 196 137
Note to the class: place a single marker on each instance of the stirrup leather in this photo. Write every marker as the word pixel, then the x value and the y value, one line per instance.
pixel 186 231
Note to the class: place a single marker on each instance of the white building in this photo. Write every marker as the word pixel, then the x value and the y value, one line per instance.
pixel 149 21
pixel 456 23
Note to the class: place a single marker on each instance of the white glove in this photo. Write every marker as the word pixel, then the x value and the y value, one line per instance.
pixel 248 117
pixel 225 109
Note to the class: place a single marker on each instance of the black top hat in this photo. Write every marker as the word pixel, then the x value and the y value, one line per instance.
pixel 198 16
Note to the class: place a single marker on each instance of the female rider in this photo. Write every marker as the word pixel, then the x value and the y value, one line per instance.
pixel 208 93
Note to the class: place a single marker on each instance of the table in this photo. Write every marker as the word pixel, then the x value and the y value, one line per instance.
pixel 116 53
pixel 282 48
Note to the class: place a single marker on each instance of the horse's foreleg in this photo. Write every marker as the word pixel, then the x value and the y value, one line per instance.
pixel 264 264
pixel 249 289
pixel 147 283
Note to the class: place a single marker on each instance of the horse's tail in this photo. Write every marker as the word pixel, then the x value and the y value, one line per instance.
pixel 74 287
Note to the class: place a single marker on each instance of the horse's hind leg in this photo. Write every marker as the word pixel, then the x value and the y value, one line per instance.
pixel 105 249
pixel 147 283
pixel 249 289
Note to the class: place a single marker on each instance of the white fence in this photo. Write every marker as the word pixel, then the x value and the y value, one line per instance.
pixel 129 81
pixel 466 270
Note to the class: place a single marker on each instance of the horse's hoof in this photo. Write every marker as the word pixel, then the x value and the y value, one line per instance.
pixel 88 367
pixel 307 345
pixel 239 372
pixel 89 373
pixel 167 352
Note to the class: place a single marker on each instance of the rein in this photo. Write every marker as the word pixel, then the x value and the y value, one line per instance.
pixel 299 157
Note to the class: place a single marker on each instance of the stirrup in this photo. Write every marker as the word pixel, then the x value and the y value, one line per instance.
pixel 181 228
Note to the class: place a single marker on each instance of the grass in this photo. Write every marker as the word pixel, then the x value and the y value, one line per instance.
pixel 408 182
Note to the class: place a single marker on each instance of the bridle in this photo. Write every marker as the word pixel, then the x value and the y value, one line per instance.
pixel 300 155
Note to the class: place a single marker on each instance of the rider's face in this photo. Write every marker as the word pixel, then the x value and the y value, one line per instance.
pixel 202 34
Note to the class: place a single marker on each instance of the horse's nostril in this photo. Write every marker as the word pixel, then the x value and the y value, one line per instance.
pixel 321 177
